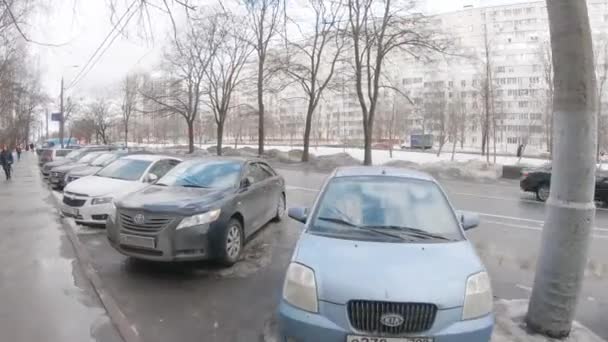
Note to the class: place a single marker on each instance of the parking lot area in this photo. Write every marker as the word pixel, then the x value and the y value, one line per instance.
pixel 193 301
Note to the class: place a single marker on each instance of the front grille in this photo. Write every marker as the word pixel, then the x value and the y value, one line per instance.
pixel 73 202
pixel 366 316
pixel 150 224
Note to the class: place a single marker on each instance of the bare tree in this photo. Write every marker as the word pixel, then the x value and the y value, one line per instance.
pixel 312 50
pixel 546 88
pixel 264 20
pixel 457 121
pixel 224 73
pixel 570 212
pixel 187 61
pixel 130 88
pixel 100 115
pixel 378 28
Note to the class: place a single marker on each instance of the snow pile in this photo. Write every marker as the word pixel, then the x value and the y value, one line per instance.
pixel 473 169
pixel 329 162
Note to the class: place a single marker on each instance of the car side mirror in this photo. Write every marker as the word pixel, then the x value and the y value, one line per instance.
pixel 299 214
pixel 151 178
pixel 468 219
pixel 246 182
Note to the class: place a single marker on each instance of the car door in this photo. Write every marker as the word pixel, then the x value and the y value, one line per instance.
pixel 251 198
pixel 273 189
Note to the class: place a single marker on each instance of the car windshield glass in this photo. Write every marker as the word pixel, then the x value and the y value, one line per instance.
pixel 407 208
pixel 126 169
pixel 103 159
pixel 74 155
pixel 87 158
pixel 204 174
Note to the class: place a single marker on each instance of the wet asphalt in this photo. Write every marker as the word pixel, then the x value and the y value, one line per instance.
pixel 200 301
pixel 43 293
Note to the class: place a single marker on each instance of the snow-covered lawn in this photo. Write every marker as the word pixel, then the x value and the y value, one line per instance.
pixel 380 157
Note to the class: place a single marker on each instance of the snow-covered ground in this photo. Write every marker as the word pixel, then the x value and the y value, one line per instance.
pixel 382 156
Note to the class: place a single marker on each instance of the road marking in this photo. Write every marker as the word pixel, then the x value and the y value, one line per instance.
pixel 524 287
pixel 538 229
pixel 529 220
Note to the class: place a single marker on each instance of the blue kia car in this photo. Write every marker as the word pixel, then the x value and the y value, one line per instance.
pixel 383 258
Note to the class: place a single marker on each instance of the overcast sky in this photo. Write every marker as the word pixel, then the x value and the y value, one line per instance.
pixel 83 25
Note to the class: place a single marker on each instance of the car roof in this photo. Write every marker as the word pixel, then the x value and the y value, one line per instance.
pixel 148 157
pixel 239 159
pixel 381 171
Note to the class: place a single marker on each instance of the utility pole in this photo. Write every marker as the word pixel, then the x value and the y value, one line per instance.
pixel 61 121
pixel 570 212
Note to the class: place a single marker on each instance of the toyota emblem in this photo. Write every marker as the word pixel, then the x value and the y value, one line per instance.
pixel 139 219
pixel 391 320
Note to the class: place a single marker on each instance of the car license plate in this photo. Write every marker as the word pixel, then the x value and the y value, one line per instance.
pixel 69 211
pixel 353 338
pixel 137 241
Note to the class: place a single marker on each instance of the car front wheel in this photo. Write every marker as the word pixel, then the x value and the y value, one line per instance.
pixel 232 243
pixel 542 193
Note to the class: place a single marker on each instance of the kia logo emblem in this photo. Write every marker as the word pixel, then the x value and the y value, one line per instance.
pixel 391 320
pixel 139 219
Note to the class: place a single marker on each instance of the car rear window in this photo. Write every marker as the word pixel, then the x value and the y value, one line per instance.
pixel 125 169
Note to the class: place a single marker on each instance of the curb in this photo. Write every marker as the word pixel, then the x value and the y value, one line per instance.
pixel 125 328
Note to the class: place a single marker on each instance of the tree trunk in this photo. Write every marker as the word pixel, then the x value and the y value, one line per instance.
pixel 483 141
pixel 307 129
pixel 190 136
pixel 220 136
pixel 126 134
pixel 261 106
pixel 453 149
pixel 570 212
pixel 367 143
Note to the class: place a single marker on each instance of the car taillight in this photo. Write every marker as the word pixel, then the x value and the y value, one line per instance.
pixel 524 175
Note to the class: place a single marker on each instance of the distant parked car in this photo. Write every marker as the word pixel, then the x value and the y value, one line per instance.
pixel 57 174
pixel 202 209
pixel 538 181
pixel 52 154
pixel 89 200
pixel 384 257
pixel 99 163
pixel 74 156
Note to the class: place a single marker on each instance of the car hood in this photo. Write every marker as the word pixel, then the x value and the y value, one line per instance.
pixel 68 167
pixel 94 186
pixel 85 171
pixel 177 200
pixel 400 272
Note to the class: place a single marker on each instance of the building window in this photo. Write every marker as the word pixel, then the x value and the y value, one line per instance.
pixel 536 68
pixel 500 69
pixel 450 83
pixel 529 10
pixel 534 80
pixel 523 104
pixel 517 11
pixel 523 92
pixel 463 83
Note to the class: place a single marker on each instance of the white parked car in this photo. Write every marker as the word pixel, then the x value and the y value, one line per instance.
pixel 89 199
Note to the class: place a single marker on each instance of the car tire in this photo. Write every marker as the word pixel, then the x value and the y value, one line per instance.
pixel 281 208
pixel 232 243
pixel 542 192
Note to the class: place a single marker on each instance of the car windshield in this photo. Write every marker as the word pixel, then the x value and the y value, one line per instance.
pixel 87 158
pixel 74 155
pixel 103 159
pixel 408 209
pixel 125 169
pixel 204 174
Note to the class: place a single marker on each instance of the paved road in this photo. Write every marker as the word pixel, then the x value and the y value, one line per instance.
pixel 43 293
pixel 201 301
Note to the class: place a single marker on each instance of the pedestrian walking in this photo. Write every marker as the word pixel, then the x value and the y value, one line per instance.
pixel 32 147
pixel 6 160
pixel 18 150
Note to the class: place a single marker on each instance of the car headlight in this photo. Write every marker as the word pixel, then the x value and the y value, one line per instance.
pixel 478 296
pixel 300 287
pixel 101 200
pixel 197 220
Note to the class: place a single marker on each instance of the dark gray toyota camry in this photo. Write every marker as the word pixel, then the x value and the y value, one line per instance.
pixel 202 209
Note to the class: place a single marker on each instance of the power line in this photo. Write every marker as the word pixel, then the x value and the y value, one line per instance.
pixel 90 63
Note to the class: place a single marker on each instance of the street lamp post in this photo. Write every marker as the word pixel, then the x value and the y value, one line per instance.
pixel 61 114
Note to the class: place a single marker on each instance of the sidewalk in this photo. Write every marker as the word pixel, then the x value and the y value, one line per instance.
pixel 43 293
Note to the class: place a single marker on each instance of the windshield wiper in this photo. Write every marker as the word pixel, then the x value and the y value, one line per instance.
pixel 365 228
pixel 160 184
pixel 195 186
pixel 413 231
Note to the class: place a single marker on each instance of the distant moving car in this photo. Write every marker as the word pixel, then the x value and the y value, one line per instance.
pixel 51 154
pixel 99 163
pixel 89 199
pixel 74 156
pixel 538 181
pixel 383 257
pixel 202 209
pixel 57 174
